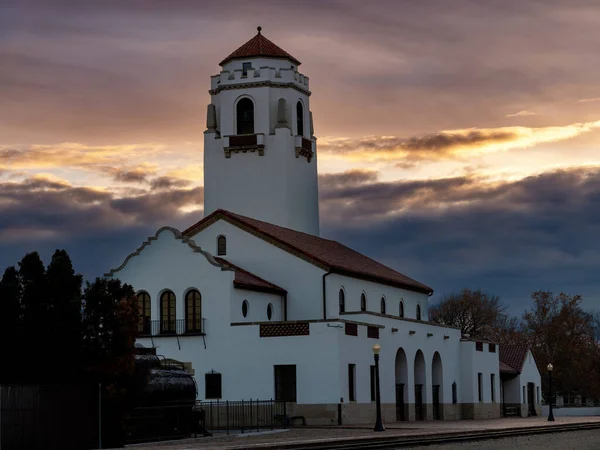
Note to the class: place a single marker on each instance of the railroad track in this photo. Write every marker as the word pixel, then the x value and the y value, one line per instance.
pixel 394 442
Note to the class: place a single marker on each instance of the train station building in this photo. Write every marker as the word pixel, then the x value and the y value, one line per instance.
pixel 261 307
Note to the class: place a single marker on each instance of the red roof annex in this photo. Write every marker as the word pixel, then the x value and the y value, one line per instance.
pixel 259 46
pixel 514 356
pixel 327 254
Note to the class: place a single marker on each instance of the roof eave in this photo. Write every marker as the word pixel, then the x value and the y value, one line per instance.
pixel 232 58
pixel 264 289
pixel 381 280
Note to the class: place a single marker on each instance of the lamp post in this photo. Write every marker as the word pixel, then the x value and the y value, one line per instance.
pixel 550 414
pixel 378 423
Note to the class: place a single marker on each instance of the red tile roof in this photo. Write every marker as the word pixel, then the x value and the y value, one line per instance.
pixel 514 356
pixel 505 368
pixel 246 280
pixel 329 255
pixel 259 46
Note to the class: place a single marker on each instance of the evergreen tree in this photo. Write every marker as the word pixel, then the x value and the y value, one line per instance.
pixel 64 302
pixel 35 355
pixel 11 333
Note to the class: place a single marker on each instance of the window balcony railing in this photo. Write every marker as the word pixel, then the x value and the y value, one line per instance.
pixel 171 327
pixel 304 147
pixel 244 143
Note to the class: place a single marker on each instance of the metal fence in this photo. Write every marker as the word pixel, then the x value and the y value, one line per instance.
pixel 242 416
pixel 47 417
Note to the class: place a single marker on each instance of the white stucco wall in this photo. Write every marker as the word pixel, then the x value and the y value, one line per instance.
pixel 168 263
pixel 475 362
pixel 530 374
pixel 302 280
pixel 397 335
pixel 258 303
pixel 353 288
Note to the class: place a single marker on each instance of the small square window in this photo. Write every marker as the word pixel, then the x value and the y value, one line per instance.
pixel 479 346
pixel 492 348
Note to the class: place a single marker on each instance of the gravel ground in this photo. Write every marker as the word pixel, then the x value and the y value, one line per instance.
pixel 571 440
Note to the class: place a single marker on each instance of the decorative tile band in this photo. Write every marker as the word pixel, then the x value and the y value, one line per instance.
pixel 284 329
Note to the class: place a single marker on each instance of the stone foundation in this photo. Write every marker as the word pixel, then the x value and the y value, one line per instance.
pixel 481 410
pixel 365 413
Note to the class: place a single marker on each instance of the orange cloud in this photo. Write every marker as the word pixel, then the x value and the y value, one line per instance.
pixel 448 144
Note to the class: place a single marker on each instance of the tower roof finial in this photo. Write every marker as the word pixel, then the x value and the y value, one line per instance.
pixel 259 28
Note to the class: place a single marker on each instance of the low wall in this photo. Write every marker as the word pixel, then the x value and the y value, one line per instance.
pixel 575 411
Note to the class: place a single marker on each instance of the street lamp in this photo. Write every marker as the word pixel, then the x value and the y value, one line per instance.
pixel 378 424
pixel 550 414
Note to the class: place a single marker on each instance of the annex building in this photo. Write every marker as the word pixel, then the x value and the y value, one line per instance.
pixel 262 307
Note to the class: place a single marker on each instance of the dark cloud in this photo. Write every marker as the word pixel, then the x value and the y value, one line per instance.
pixel 168 183
pixel 511 238
pixel 349 178
pixel 39 210
pixel 415 148
pixel 137 175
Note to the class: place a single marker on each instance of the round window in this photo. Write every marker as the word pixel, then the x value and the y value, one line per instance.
pixel 245 308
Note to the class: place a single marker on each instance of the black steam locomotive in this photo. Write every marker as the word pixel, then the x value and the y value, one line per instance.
pixel 164 400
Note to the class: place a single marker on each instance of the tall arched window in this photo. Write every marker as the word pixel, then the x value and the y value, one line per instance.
pixel 418 312
pixel 245 116
pixel 363 302
pixel 401 308
pixel 193 311
pixel 245 306
pixel 342 301
pixel 299 119
pixel 167 312
pixel 143 299
pixel 221 245
pixel 382 305
pixel 270 311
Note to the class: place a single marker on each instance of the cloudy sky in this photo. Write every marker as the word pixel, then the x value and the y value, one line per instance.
pixel 458 141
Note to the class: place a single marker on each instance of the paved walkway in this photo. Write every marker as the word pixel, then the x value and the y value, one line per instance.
pixel 324 434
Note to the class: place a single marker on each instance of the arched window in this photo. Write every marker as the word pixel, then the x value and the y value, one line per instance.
pixel 245 306
pixel 418 312
pixel 342 301
pixel 382 305
pixel 363 302
pixel 269 311
pixel 221 245
pixel 143 299
pixel 245 116
pixel 401 308
pixel 299 119
pixel 167 312
pixel 193 311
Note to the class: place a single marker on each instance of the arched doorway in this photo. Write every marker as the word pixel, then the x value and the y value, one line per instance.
pixel 437 386
pixel 401 385
pixel 420 386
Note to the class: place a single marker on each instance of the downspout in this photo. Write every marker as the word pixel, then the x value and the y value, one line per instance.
pixel 325 295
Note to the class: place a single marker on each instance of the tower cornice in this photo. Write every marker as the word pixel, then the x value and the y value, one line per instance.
pixel 275 84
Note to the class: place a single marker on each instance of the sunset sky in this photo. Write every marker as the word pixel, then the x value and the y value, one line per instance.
pixel 458 141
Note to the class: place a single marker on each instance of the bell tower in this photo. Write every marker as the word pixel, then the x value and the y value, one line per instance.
pixel 260 156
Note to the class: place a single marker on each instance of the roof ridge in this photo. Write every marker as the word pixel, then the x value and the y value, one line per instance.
pixel 328 254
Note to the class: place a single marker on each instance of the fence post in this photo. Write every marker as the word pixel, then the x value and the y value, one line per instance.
pixel 243 416
pixel 227 414
pixel 100 416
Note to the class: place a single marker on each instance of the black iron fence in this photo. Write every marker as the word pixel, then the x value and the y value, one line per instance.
pixel 48 417
pixel 171 327
pixel 242 416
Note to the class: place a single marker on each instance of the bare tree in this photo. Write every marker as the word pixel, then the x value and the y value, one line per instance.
pixel 475 312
